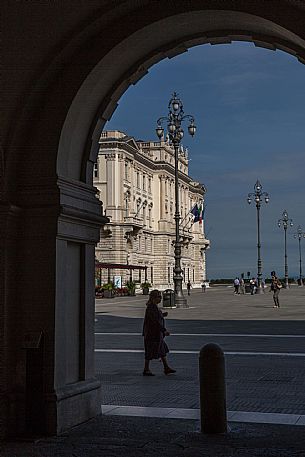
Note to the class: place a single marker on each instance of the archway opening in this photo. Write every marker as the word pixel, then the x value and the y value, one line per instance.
pixel 250 168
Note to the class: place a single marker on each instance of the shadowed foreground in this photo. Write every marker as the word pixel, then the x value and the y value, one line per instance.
pixel 135 437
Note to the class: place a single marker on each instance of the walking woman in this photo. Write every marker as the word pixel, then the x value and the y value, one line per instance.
pixel 276 286
pixel 154 332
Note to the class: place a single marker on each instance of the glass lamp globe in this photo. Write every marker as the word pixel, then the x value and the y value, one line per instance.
pixel 171 127
pixel 175 104
pixel 192 129
pixel 257 186
pixel 160 131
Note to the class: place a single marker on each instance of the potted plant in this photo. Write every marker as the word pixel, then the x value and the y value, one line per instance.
pixel 108 289
pixel 131 286
pixel 145 287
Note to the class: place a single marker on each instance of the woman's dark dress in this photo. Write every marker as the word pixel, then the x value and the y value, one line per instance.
pixel 153 332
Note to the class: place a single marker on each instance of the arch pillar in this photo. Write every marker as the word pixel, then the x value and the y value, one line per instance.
pixel 76 395
pixel 48 335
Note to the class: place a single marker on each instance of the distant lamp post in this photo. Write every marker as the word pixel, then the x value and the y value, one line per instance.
pixel 299 235
pixel 284 222
pixel 258 196
pixel 175 134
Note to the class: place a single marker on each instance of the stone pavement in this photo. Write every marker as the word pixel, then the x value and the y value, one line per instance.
pixel 138 437
pixel 218 312
pixel 264 347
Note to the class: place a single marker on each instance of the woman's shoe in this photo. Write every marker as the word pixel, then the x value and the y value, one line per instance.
pixel 147 373
pixel 169 370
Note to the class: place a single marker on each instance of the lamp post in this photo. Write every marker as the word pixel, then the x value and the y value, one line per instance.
pixel 258 196
pixel 284 222
pixel 175 133
pixel 299 235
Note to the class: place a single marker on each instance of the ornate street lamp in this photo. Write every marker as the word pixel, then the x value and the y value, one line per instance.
pixel 284 222
pixel 299 235
pixel 258 196
pixel 175 133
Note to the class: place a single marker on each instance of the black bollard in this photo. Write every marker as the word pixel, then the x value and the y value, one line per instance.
pixel 213 409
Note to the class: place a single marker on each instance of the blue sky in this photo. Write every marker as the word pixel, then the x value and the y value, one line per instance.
pixel 249 106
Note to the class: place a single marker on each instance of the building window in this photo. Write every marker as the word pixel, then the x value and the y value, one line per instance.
pixel 138 206
pixel 126 170
pixel 149 216
pixel 139 247
pixel 145 244
pixel 138 179
pixel 144 182
pixel 144 215
pixel 126 205
pixel 149 184
pixel 95 170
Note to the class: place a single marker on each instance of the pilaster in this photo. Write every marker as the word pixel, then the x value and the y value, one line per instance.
pixel 48 376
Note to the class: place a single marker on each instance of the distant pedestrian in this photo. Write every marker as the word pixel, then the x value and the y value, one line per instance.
pixel 253 286
pixel 154 332
pixel 276 286
pixel 203 287
pixel 188 286
pixel 242 287
pixel 236 285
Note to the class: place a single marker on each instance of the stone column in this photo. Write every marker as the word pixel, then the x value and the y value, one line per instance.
pixel 162 198
pixel 163 216
pixel 49 308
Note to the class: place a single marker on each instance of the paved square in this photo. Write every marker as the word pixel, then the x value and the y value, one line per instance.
pixel 264 351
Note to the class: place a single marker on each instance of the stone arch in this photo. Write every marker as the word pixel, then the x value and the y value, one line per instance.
pixel 100 92
pixel 51 137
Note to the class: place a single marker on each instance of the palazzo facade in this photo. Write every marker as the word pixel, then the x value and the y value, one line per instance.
pixel 136 183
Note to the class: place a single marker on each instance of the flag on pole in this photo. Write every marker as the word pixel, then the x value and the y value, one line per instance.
pixel 200 213
pixel 195 212
pixel 201 210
